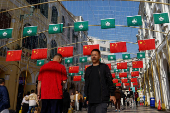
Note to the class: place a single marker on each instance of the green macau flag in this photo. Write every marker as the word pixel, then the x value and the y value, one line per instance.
pixel 40 62
pixel 68 60
pixel 6 33
pixel 135 69
pixel 126 70
pixel 55 28
pixel 80 73
pixel 30 31
pixel 134 20
pixel 83 59
pixel 107 23
pixel 81 26
pixel 125 56
pixel 111 57
pixel 116 70
pixel 141 55
pixel 160 18
pixel 71 74
pixel 82 79
pixel 117 77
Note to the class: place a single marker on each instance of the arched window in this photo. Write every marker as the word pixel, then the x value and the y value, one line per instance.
pixel 63 21
pixel 5 20
pixel 53 51
pixel 44 8
pixel 42 41
pixel 54 17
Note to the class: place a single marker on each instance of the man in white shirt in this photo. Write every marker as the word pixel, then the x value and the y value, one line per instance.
pixel 77 99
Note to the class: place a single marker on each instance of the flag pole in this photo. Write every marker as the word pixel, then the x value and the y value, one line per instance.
pixel 160 85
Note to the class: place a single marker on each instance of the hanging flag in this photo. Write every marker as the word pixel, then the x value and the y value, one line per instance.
pixel 124 80
pixel 133 79
pixel 86 66
pixel 73 69
pixel 126 56
pixel 77 78
pixel 126 84
pixel 88 48
pixel 116 70
pixel 135 69
pixel 126 70
pixel 122 65
pixel 148 44
pixel 71 74
pixel 111 57
pixel 13 55
pixel 141 55
pixel 40 62
pixel 39 53
pixel 160 18
pixel 82 79
pixel 107 23
pixel 68 60
pixel 30 31
pixel 6 33
pixel 135 84
pixel 137 64
pixel 118 47
pixel 123 74
pixel 66 51
pixel 109 65
pixel 113 75
pixel 55 28
pixel 115 80
pixel 117 77
pixel 118 84
pixel 135 73
pixel 81 26
pixel 83 59
pixel 80 73
pixel 134 20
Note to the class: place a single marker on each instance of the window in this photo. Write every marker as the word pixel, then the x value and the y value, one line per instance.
pixel 103 42
pixel 68 33
pixel 5 20
pixel 42 41
pixel 54 17
pixel 53 51
pixel 44 8
pixel 102 49
pixel 33 1
pixel 108 49
pixel 63 21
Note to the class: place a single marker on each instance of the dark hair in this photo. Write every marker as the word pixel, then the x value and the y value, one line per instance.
pixel 58 54
pixel 32 91
pixel 2 80
pixel 28 93
pixel 96 51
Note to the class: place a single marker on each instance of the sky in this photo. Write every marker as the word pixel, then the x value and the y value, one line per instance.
pixel 95 10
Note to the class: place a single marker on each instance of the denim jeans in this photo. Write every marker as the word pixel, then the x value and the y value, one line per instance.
pixel 31 108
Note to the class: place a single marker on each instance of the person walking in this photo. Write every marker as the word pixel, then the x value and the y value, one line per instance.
pixel 4 97
pixel 98 85
pixel 136 97
pixel 50 85
pixel 72 100
pixel 77 100
pixel 118 99
pixel 25 103
pixel 33 101
pixel 66 101
pixel 81 101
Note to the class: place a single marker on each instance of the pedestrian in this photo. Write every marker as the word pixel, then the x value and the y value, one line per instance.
pixel 81 101
pixel 66 101
pixel 72 100
pixel 118 99
pixel 98 85
pixel 50 85
pixel 4 97
pixel 25 103
pixel 136 97
pixel 77 100
pixel 33 101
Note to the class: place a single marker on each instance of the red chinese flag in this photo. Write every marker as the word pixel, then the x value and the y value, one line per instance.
pixel 118 84
pixel 14 55
pixel 115 80
pixel 74 69
pixel 88 48
pixel 39 53
pixel 137 64
pixel 126 84
pixel 109 66
pixel 135 84
pixel 66 51
pixel 123 74
pixel 118 47
pixel 135 73
pixel 122 65
pixel 148 44
pixel 133 79
pixel 86 66
pixel 113 75
pixel 77 78
pixel 124 80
